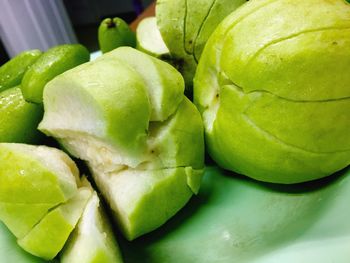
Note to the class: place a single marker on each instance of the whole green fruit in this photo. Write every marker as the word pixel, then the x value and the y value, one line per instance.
pixel 53 62
pixel 12 72
pixel 273 88
pixel 19 119
pixel 113 33
pixel 186 25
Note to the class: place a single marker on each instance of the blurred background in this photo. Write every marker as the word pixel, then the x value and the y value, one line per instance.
pixel 41 24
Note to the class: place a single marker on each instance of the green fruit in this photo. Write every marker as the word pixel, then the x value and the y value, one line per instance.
pixel 12 72
pixel 39 199
pixel 19 119
pixel 92 241
pixel 33 179
pixel 47 238
pixel 149 39
pixel 52 63
pixel 186 25
pixel 273 89
pixel 126 115
pixel 114 33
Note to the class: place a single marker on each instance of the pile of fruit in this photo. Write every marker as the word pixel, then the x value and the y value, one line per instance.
pixel 95 150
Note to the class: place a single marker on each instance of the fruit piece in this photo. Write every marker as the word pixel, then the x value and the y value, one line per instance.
pixel 114 33
pixel 12 72
pixel 186 25
pixel 48 237
pixel 152 138
pixel 52 63
pixel 92 240
pixel 149 39
pixel 33 179
pixel 274 96
pixel 142 200
pixel 19 119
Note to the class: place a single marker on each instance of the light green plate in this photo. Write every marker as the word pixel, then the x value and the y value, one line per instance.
pixel 10 252
pixel 235 219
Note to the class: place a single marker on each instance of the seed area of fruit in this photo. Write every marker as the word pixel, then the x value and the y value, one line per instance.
pixel 208 131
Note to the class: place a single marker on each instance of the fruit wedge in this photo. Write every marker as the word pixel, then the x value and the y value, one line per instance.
pixel 92 240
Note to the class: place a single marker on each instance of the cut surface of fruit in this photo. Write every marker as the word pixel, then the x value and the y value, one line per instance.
pixel 149 39
pixel 92 241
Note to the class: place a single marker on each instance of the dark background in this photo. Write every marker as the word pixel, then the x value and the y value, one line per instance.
pixel 86 15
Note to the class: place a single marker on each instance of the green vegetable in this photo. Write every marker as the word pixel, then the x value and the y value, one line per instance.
pixel 52 63
pixel 11 73
pixel 19 119
pixel 126 115
pixel 273 88
pixel 114 33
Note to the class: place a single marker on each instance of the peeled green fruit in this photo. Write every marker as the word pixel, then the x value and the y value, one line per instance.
pixel 186 25
pixel 92 241
pixel 40 201
pixel 19 119
pixel 126 115
pixel 47 238
pixel 273 89
pixel 149 39
pixel 12 72
pixel 33 179
pixel 53 62
pixel 114 33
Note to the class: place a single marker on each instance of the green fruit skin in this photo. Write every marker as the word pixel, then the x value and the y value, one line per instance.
pixel 274 97
pixel 52 63
pixel 114 33
pixel 19 119
pixel 186 25
pixel 12 72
